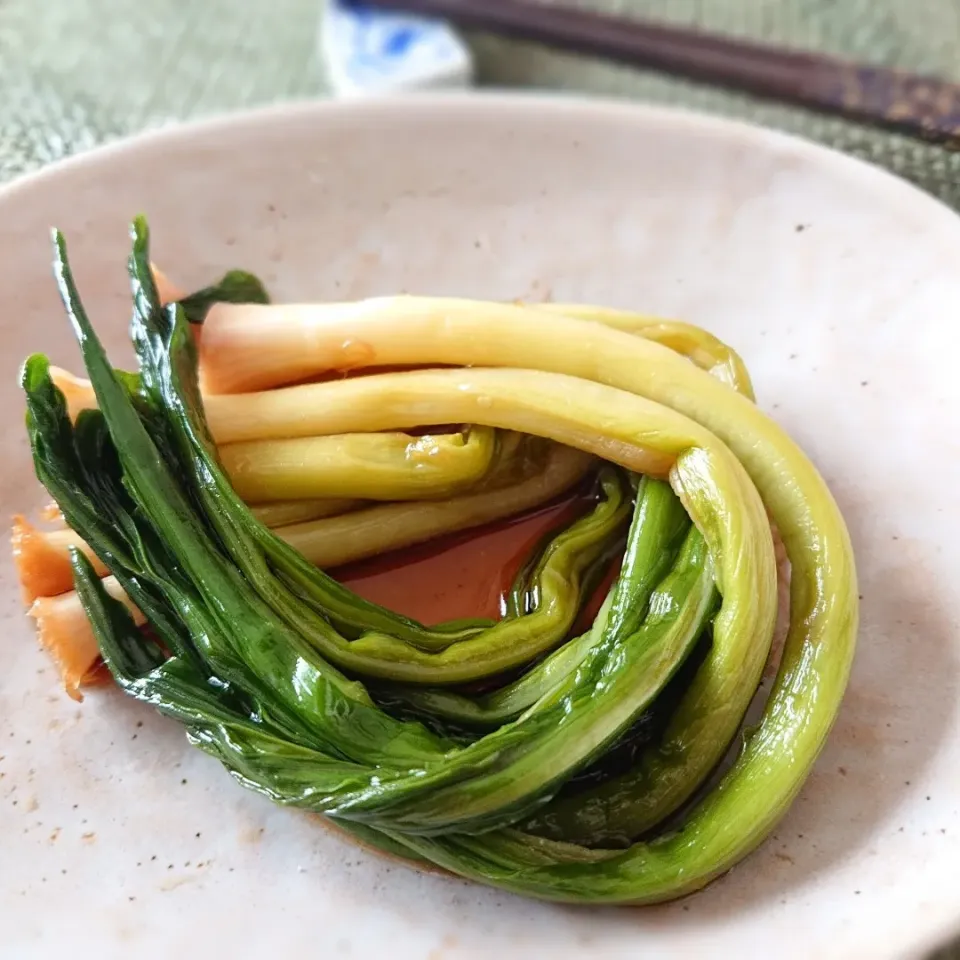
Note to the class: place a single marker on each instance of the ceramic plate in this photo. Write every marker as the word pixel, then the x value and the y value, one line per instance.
pixel 838 284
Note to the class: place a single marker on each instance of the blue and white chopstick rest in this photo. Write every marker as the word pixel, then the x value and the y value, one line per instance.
pixel 367 51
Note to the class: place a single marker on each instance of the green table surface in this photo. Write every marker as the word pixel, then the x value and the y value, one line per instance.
pixel 75 73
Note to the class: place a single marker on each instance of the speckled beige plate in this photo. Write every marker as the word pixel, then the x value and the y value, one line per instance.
pixel 839 285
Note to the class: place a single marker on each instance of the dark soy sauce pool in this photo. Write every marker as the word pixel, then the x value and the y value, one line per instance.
pixel 467 574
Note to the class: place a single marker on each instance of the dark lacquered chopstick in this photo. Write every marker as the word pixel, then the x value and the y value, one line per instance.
pixel 924 107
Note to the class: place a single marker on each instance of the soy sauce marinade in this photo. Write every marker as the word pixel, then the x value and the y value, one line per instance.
pixel 469 574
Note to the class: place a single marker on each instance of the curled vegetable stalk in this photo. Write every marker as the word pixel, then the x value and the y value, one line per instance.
pixel 668 772
pixel 819 648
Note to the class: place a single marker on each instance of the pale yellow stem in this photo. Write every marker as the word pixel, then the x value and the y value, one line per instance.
pixel 365 466
pixel 283 512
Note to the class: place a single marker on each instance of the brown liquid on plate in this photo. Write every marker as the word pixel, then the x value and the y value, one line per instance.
pixel 467 574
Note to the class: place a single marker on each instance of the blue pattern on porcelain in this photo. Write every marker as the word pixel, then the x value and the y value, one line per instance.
pixel 377 44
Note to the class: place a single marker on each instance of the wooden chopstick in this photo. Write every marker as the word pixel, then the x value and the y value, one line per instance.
pixel 924 107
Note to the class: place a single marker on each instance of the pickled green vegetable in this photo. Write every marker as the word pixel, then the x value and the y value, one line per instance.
pixel 270 665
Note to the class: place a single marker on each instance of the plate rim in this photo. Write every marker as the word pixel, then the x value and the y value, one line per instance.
pixel 589 107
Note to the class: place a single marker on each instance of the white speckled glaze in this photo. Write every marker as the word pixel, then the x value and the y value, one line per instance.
pixel 840 286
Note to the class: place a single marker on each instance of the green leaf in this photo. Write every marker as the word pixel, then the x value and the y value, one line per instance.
pixel 235 286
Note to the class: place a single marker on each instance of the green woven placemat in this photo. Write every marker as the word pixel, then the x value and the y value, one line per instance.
pixel 77 72
pixel 74 73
